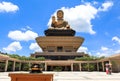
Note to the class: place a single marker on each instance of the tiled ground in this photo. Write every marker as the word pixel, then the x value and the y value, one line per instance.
pixel 73 76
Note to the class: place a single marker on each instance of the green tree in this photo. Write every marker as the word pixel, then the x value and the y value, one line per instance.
pixel 40 58
pixel 88 58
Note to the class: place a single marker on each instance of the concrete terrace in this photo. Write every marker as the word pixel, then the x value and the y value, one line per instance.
pixel 73 76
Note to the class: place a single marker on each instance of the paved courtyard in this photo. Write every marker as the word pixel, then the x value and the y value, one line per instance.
pixel 73 76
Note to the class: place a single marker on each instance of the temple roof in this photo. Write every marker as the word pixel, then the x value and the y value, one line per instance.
pixel 75 42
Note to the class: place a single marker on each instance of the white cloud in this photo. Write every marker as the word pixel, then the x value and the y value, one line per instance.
pixel 22 36
pixel 79 17
pixel 26 28
pixel 117 39
pixel 35 47
pixel 82 1
pixel 117 51
pixel 100 54
pixel 8 7
pixel 95 2
pixel 106 6
pixel 105 51
pixel 83 49
pixel 104 48
pixel 13 47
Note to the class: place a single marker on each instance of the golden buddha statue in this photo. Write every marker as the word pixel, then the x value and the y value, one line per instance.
pixel 60 23
pixel 59 27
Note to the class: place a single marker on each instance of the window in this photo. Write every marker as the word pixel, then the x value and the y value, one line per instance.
pixel 59 49
pixel 50 50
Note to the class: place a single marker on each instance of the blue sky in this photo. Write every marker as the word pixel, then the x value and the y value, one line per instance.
pixel 98 21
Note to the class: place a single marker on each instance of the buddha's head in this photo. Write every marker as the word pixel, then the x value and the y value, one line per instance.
pixel 60 14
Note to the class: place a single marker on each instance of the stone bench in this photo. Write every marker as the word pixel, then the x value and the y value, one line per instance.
pixel 31 77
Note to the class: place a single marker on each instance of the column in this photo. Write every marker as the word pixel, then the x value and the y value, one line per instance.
pixel 97 66
pixel 6 65
pixel 80 66
pixel 14 65
pixel 88 67
pixel 111 65
pixel 72 67
pixel 20 66
pixel 103 66
pixel 29 64
pixel 45 66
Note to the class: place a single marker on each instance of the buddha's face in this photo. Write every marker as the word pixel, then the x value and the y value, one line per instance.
pixel 60 14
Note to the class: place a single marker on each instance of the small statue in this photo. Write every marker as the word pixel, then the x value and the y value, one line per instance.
pixel 36 68
pixel 60 23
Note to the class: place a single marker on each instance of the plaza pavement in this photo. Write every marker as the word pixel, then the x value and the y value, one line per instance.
pixel 73 76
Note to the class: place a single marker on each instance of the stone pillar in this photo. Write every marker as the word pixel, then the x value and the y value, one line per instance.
pixel 29 64
pixel 97 66
pixel 20 66
pixel 88 67
pixel 72 67
pixel 45 66
pixel 13 65
pixel 6 65
pixel 111 65
pixel 103 66
pixel 80 66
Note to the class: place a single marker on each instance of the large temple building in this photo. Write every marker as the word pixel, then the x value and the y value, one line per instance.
pixel 59 47
pixel 59 42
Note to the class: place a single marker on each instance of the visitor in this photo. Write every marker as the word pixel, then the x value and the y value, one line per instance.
pixel 107 68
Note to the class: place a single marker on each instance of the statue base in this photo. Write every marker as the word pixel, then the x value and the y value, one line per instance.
pixel 61 32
